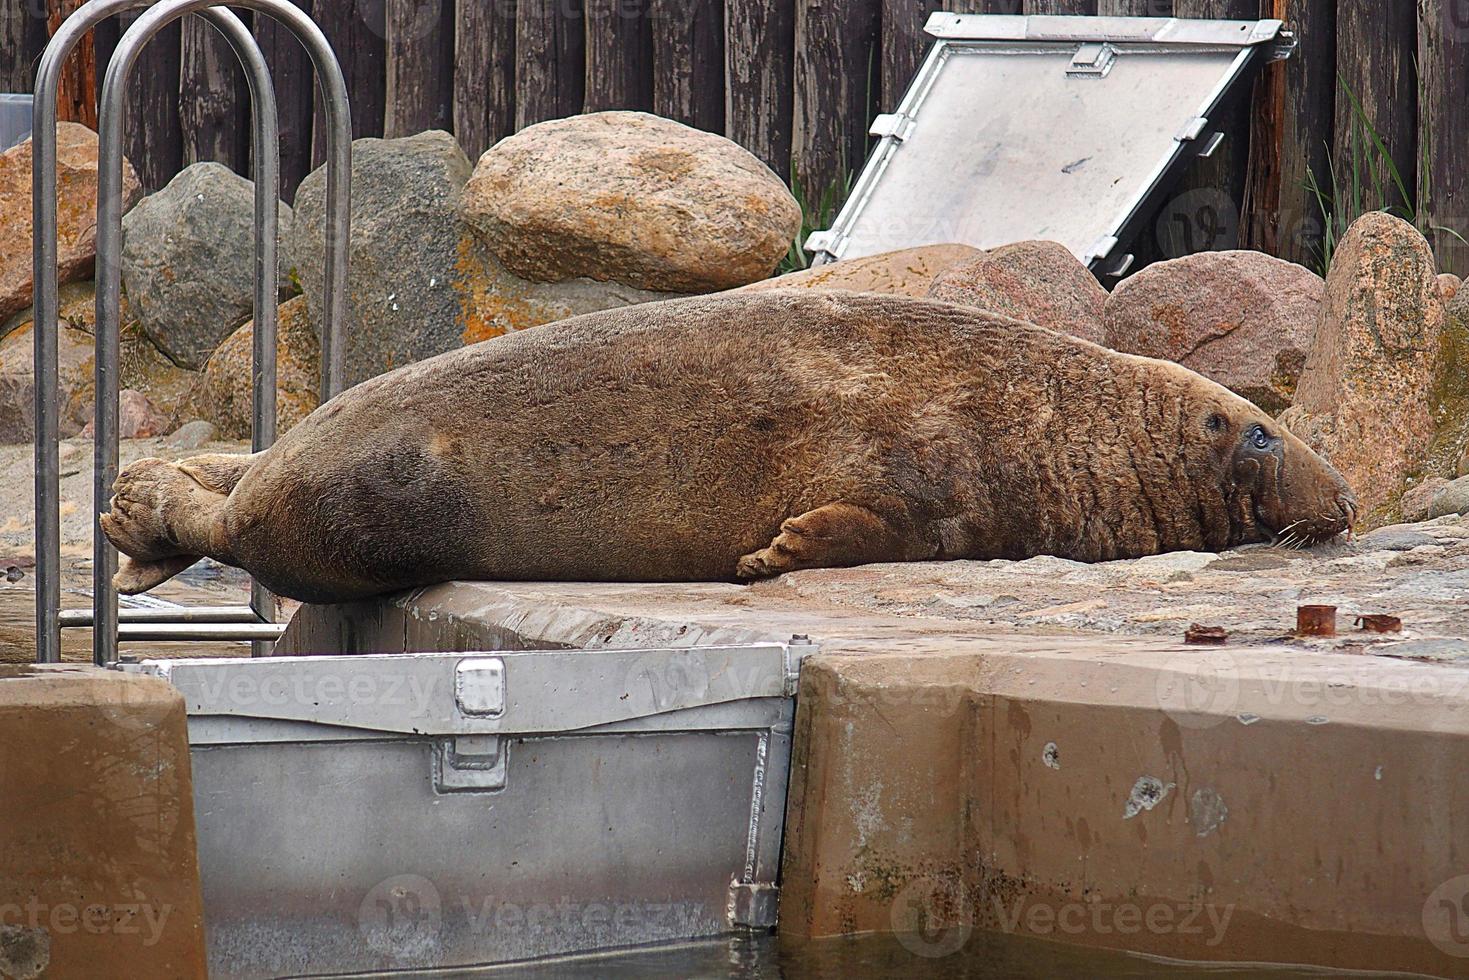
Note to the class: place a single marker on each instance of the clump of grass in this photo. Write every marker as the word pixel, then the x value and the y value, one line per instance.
pixel 1368 180
pixel 818 212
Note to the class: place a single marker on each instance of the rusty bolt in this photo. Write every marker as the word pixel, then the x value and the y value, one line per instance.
pixel 1380 624
pixel 1205 635
pixel 1316 620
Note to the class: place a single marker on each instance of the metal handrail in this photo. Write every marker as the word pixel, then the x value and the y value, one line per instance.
pixel 104 618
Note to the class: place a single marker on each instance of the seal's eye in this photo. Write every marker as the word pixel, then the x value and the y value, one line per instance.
pixel 1259 438
pixel 1216 423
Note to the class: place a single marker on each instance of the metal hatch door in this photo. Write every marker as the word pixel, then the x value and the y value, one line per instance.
pixel 1059 128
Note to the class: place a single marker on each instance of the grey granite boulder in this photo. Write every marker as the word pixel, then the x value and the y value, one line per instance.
pixel 188 261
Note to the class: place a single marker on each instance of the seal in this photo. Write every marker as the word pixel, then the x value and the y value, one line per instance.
pixel 735 436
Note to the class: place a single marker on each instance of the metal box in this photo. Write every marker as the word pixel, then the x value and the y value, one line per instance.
pixel 1061 128
pixel 15 119
pixel 417 811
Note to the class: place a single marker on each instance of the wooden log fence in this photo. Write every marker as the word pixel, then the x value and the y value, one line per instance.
pixel 797 82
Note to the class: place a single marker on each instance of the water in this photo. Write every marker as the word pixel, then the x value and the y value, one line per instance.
pixel 986 956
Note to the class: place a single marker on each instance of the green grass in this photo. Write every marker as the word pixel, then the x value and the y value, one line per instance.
pixel 1368 180
pixel 818 212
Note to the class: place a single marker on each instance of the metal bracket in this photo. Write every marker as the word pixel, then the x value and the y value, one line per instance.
pixel 1210 145
pixel 1092 60
pixel 470 764
pixel 824 242
pixel 895 124
pixel 1192 129
pixel 755 905
pixel 479 686
pixel 1284 46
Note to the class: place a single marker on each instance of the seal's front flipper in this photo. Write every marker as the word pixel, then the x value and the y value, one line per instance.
pixel 135 576
pixel 834 536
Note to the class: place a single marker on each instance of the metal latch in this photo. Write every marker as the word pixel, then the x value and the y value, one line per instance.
pixel 470 764
pixel 479 686
pixel 894 124
pixel 1092 60
pixel 755 905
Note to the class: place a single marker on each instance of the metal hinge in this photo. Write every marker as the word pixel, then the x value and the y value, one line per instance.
pixel 755 905
pixel 1092 60
pixel 1192 129
pixel 470 764
pixel 895 124
pixel 826 242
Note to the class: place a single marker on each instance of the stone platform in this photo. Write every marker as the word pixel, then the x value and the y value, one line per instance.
pixel 1031 748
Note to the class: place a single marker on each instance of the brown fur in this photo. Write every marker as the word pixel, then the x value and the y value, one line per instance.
pixel 734 436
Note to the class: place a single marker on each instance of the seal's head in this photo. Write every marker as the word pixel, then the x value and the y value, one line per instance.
pixel 1274 486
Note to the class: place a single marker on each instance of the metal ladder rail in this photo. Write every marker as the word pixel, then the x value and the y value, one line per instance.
pixel 207 622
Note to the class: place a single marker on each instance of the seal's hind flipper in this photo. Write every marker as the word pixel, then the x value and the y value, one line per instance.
pixel 217 471
pixel 135 576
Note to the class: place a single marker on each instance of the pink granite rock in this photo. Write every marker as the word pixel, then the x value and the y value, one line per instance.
pixel 1041 282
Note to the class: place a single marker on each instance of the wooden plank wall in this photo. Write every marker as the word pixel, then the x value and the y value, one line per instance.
pixel 795 81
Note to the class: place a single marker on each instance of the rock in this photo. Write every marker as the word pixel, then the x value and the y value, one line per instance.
pixel 188 260
pixel 405 253
pixel 145 368
pixel 76 188
pixel 1418 500
pixel 1449 286
pixel 421 282
pixel 75 369
pixel 1436 497
pixel 137 417
pixel 1243 319
pixel 191 435
pixel 1364 397
pixel 494 301
pixel 225 395
pixel 1041 282
pixel 908 272
pixel 632 198
pixel 1397 537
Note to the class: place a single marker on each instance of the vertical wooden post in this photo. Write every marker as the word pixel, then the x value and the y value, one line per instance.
pixel 1260 215
pixel 419 44
pixel 1443 59
pixel 688 61
pixel 357 30
pixel 152 138
pixel 985 6
pixel 214 104
pixel 23 33
pixel 76 100
pixel 1308 125
pixel 484 73
pixel 1135 8
pixel 290 69
pixel 1376 44
pixel 550 60
pixel 903 46
pixel 619 55
pixel 759 56
pixel 1086 8
pixel 836 79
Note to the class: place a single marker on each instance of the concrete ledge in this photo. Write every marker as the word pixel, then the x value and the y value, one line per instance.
pixel 1247 803
pixel 98 873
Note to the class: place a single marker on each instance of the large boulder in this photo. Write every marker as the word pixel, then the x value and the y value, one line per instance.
pixel 225 394
pixel 906 272
pixel 1364 399
pixel 1037 281
pixel 188 260
pixel 1243 319
pixel 76 217
pixel 76 387
pixel 405 251
pixel 632 198
pixel 421 281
